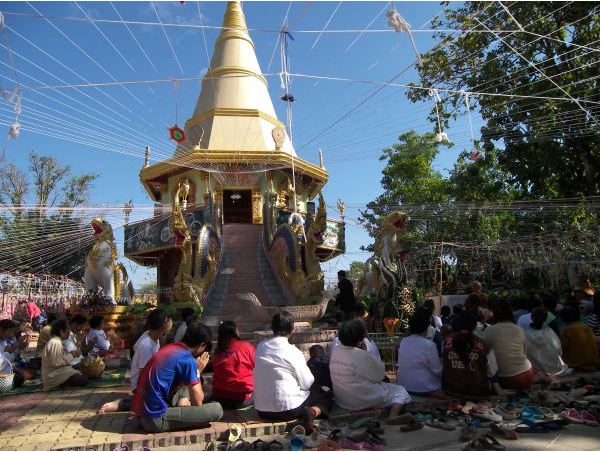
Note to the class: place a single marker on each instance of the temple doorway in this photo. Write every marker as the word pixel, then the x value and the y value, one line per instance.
pixel 238 206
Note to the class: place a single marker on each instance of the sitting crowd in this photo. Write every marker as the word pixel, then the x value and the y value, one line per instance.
pixel 470 351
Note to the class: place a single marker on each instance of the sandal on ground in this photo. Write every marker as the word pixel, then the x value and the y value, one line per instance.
pixel 589 419
pixel 493 443
pixel 468 432
pixel 275 445
pixel 260 444
pixel 240 444
pixel 315 439
pixel 234 433
pixel 531 427
pixel 405 418
pixel 328 445
pixel 507 433
pixel 297 443
pixel 477 443
pixel 573 415
pixel 411 426
pixel 507 415
pixel 346 443
pixel 441 423
pixel 375 427
pixel 532 413
pixel 488 415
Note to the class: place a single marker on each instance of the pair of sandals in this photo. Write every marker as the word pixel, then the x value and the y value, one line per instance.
pixel 484 442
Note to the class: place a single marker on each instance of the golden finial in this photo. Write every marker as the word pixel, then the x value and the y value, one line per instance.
pixel 341 207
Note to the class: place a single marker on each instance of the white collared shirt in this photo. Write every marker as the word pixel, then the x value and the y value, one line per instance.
pixel 281 377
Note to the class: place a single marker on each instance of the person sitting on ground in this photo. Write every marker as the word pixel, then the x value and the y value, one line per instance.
pixel 593 318
pixel 524 321
pixel 370 345
pixel 436 322
pixel 543 346
pixel 9 350
pixel 357 376
pixel 169 395
pixel 56 363
pixel 509 344
pixel 144 349
pixel 457 309
pixel 445 314
pixel 550 302
pixel 519 307
pixel 473 304
pixel 578 342
pixel 186 315
pixel 466 370
pixel 318 363
pixel 97 336
pixel 233 364
pixel 283 382
pixel 419 368
pixel 74 341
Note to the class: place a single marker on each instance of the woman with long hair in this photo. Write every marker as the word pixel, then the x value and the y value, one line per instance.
pixel 233 364
pixel 465 365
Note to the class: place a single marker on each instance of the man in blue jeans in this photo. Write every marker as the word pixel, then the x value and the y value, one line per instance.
pixel 169 395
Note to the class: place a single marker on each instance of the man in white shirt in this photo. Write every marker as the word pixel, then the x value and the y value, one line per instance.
pixel 283 382
pixel 145 347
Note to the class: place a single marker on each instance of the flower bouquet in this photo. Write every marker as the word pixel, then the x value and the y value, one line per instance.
pixel 390 324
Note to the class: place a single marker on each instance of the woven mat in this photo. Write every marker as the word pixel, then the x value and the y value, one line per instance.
pixel 110 378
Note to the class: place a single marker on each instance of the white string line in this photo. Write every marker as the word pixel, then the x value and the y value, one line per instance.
pixel 530 63
pixel 70 70
pixel 524 45
pixel 307 76
pixel 167 37
pixel 277 40
pixel 473 30
pixel 68 123
pixel 134 37
pixel 262 30
pixel 335 62
pixel 325 26
pixel 105 37
pixel 88 56
pixel 108 117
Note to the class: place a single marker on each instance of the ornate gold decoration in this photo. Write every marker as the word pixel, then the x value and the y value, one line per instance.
pixel 186 288
pixel 257 203
pixel 314 238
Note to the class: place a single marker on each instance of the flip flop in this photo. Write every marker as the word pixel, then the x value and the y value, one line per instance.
pixel 315 439
pixel 589 418
pixel 362 422
pixel 234 433
pixel 351 445
pixel 440 423
pixel 260 444
pixel 401 419
pixel 411 426
pixel 275 445
pixel 506 432
pixel 493 443
pixel 297 443
pixel 477 443
pixel 241 444
pixel 329 445
pixel 468 432
pixel 573 415
pixel 531 427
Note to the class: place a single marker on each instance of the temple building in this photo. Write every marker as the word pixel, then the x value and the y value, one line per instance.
pixel 237 210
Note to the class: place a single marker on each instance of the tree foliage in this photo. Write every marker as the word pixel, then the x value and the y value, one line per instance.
pixel 39 231
pixel 536 66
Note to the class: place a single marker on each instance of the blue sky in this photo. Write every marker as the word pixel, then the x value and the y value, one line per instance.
pixel 97 85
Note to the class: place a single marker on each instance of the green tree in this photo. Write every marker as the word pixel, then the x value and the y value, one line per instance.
pixel 537 65
pixel 356 270
pixel 41 233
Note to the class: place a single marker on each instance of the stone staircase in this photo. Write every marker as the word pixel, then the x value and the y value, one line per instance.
pixel 244 268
